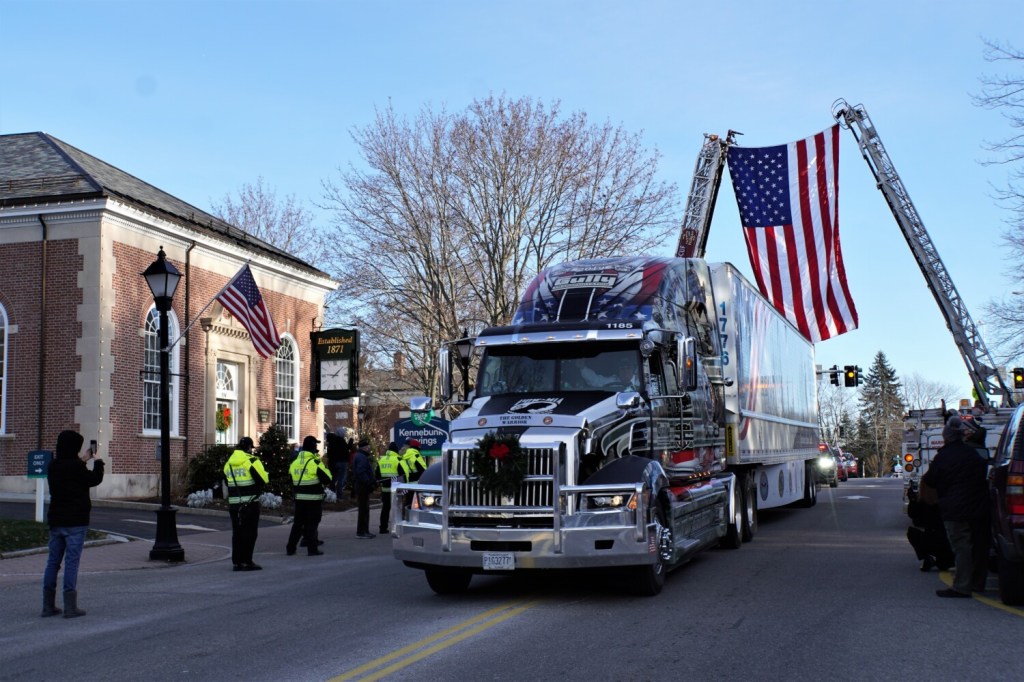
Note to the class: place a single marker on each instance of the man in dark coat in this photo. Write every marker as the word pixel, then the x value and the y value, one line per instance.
pixel 958 475
pixel 362 485
pixel 69 480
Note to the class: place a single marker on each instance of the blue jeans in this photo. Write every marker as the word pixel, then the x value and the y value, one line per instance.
pixel 340 473
pixel 65 545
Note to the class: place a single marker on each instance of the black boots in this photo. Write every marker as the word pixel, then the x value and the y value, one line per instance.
pixel 71 609
pixel 50 604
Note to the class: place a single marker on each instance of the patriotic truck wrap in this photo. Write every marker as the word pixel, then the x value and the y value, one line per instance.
pixel 635 411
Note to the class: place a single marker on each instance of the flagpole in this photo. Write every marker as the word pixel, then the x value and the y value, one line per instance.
pixel 196 318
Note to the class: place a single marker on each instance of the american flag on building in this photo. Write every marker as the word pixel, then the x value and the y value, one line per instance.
pixel 242 299
pixel 788 199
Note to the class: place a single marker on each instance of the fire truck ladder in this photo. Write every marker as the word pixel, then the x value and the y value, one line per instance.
pixel 980 366
pixel 700 204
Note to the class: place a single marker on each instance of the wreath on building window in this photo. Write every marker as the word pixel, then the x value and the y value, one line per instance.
pixel 499 463
pixel 223 417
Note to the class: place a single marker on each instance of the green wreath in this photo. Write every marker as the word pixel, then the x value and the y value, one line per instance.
pixel 223 418
pixel 499 463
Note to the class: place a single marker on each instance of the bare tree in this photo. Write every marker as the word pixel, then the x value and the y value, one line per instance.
pixel 920 393
pixel 1005 93
pixel 285 224
pixel 835 407
pixel 454 213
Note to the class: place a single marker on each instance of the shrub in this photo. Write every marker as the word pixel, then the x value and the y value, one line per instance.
pixel 206 471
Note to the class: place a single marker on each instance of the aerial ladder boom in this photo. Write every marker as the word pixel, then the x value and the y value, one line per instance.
pixel 700 204
pixel 980 366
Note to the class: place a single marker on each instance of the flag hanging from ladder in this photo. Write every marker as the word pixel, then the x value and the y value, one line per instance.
pixel 788 198
pixel 242 299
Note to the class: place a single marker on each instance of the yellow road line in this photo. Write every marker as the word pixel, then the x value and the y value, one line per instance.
pixel 947 578
pixel 486 620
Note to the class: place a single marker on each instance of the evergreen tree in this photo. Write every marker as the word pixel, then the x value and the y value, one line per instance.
pixel 276 455
pixel 880 428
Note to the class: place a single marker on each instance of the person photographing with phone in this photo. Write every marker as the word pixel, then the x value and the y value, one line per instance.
pixel 69 479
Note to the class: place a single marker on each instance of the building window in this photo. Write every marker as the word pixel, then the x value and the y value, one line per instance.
pixel 3 370
pixel 286 390
pixel 226 424
pixel 151 373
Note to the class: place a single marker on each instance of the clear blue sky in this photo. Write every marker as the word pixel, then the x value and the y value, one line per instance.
pixel 199 98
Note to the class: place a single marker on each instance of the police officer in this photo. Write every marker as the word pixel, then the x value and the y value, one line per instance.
pixel 245 476
pixel 309 477
pixel 414 460
pixel 390 468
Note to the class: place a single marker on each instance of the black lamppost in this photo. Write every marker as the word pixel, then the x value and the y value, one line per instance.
pixel 465 348
pixel 162 278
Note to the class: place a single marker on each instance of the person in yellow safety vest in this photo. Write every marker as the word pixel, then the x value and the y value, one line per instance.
pixel 309 477
pixel 390 468
pixel 411 456
pixel 245 477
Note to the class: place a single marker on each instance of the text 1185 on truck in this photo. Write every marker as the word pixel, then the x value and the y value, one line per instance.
pixel 645 408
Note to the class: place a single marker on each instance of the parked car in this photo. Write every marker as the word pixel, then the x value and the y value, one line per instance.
pixel 827 472
pixel 841 473
pixel 1006 491
pixel 852 467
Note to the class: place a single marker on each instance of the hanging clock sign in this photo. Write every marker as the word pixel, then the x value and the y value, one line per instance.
pixel 336 364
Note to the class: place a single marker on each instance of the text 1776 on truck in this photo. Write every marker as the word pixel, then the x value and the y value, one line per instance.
pixel 646 408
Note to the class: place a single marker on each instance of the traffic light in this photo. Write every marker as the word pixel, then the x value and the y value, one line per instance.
pixel 909 463
pixel 860 376
pixel 850 376
pixel 833 375
pixel 1018 377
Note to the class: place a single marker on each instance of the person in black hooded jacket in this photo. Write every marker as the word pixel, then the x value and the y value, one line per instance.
pixel 68 517
pixel 958 475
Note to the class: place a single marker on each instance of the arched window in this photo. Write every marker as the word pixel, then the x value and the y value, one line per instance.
pixel 151 373
pixel 3 370
pixel 286 388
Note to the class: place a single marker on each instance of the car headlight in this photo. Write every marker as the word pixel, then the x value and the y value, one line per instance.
pixel 824 463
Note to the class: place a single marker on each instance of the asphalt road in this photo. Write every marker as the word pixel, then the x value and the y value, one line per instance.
pixel 833 592
pixel 139 523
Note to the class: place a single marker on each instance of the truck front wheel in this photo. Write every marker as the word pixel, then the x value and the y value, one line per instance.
pixel 448 580
pixel 650 578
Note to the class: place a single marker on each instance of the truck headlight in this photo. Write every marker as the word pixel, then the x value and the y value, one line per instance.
pixel 610 501
pixel 422 500
pixel 824 463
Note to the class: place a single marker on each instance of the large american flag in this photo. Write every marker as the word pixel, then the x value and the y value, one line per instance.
pixel 788 198
pixel 243 300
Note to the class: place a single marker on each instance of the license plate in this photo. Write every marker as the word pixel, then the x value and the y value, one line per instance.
pixel 499 561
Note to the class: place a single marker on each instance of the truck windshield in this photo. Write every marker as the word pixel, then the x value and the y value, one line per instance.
pixel 559 367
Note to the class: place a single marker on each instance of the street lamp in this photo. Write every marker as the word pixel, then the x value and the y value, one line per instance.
pixel 465 348
pixel 162 278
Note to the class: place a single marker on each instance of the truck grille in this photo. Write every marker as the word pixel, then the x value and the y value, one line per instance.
pixel 536 491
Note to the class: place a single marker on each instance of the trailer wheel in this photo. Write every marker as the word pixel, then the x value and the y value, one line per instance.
pixel 749 507
pixel 448 580
pixel 734 531
pixel 650 578
pixel 810 489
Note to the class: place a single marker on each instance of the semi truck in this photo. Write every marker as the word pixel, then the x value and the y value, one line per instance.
pixel 635 411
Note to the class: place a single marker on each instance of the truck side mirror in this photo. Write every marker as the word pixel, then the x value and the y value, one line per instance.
pixel 444 368
pixel 686 368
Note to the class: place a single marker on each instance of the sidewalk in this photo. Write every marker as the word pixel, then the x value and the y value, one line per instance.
pixel 104 556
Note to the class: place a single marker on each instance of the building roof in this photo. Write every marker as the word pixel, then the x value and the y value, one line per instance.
pixel 37 168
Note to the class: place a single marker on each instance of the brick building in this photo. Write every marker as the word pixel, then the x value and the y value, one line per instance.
pixel 78 328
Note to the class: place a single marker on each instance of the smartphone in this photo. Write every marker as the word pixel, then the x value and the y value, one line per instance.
pixel 92 447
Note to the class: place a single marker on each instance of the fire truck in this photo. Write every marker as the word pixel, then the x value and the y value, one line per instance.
pixel 923 428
